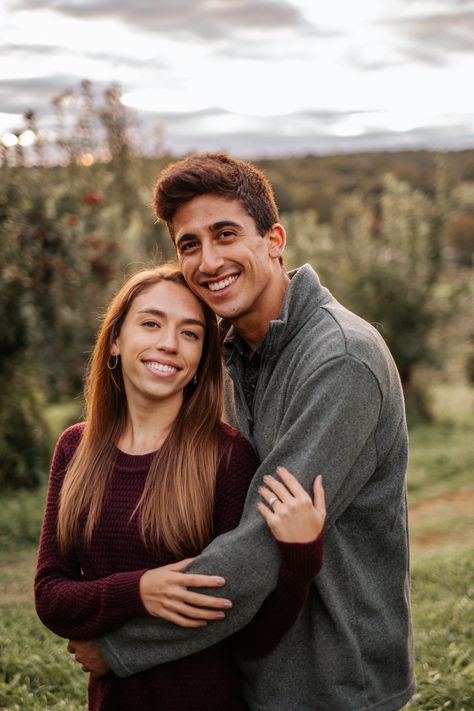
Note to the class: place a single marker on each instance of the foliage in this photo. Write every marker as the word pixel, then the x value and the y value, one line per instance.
pixel 24 434
pixel 67 235
pixel 394 249
pixel 383 259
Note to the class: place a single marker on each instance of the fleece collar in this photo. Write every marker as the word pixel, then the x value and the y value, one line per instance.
pixel 303 296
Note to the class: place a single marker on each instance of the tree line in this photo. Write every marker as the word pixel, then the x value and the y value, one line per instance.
pixel 392 238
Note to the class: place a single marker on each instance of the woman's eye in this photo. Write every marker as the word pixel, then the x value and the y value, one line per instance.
pixel 191 334
pixel 151 324
pixel 187 246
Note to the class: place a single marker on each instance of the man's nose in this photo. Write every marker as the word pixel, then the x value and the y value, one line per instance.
pixel 211 259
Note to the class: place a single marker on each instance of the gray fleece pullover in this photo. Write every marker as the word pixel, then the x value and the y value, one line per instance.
pixel 328 400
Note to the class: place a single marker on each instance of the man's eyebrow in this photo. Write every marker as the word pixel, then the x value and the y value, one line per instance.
pixel 162 314
pixel 212 228
pixel 225 223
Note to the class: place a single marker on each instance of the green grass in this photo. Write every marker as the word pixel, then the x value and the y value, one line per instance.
pixel 443 614
pixel 37 673
pixel 441 458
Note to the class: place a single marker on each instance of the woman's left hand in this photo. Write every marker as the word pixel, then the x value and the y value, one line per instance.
pixel 291 514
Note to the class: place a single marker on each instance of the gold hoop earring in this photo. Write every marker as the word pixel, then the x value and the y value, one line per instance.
pixel 115 363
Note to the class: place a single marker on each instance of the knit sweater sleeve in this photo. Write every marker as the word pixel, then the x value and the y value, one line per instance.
pixel 71 607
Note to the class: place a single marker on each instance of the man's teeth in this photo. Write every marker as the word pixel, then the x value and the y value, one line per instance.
pixel 218 285
pixel 162 368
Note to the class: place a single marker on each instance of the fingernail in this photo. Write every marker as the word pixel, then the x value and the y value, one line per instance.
pixel 221 581
pixel 227 604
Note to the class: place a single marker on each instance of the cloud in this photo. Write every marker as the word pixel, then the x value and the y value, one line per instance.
pixel 205 19
pixel 27 51
pixel 433 38
pixel 36 93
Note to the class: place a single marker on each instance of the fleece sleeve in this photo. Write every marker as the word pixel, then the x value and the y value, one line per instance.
pixel 328 422
pixel 68 606
pixel 301 562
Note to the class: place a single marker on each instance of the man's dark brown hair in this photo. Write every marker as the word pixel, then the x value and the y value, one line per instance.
pixel 215 174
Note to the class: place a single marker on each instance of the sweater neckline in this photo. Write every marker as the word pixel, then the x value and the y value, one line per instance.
pixel 133 462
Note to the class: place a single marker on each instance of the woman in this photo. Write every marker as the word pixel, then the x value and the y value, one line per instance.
pixel 149 479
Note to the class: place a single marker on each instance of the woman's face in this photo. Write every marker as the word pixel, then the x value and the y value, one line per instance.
pixel 160 343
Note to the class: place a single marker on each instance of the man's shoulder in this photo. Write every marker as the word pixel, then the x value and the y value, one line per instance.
pixel 336 331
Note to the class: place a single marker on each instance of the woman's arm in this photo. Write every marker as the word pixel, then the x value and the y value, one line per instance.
pixel 81 609
pixel 293 519
pixel 65 604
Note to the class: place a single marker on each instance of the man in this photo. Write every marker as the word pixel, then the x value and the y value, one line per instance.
pixel 315 389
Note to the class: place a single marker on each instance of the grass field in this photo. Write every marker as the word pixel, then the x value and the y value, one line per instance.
pixel 37 674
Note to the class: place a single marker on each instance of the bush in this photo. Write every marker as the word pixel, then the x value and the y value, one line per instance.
pixel 24 434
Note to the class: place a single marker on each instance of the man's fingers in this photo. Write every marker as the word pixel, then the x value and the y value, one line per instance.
pixel 319 497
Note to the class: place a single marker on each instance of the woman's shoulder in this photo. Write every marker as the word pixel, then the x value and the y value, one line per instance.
pixel 70 438
pixel 229 435
pixel 234 447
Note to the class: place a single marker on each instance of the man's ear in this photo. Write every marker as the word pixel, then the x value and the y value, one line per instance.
pixel 276 240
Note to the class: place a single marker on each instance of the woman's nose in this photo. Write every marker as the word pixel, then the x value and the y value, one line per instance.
pixel 168 340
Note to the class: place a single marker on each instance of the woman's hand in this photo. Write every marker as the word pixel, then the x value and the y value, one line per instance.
pixel 164 593
pixel 290 513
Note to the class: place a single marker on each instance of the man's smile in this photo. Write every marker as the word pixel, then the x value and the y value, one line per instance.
pixel 221 283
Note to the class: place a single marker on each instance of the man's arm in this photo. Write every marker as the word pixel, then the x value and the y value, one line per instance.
pixel 326 426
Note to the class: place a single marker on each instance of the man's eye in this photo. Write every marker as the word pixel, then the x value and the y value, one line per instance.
pixel 226 233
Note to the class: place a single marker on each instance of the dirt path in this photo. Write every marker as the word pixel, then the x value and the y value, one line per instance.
pixel 445 519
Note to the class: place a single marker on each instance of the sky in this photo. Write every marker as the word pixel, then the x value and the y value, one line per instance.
pixel 255 77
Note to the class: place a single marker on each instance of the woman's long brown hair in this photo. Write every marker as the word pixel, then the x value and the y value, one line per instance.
pixel 176 507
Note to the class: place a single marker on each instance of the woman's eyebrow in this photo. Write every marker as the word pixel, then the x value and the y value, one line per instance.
pixel 162 314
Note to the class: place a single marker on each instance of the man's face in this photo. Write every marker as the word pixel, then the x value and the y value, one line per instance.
pixel 223 258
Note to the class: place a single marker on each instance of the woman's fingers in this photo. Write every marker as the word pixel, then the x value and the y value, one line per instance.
pixel 194 580
pixel 319 497
pixel 291 482
pixel 194 613
pixel 200 600
pixel 181 564
pixel 277 488
pixel 182 621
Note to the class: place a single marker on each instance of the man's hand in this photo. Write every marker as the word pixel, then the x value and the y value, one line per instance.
pixel 87 654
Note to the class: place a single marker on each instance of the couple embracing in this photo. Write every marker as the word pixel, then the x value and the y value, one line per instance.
pixel 182 556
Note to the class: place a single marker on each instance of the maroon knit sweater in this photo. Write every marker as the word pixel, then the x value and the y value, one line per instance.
pixel 96 589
